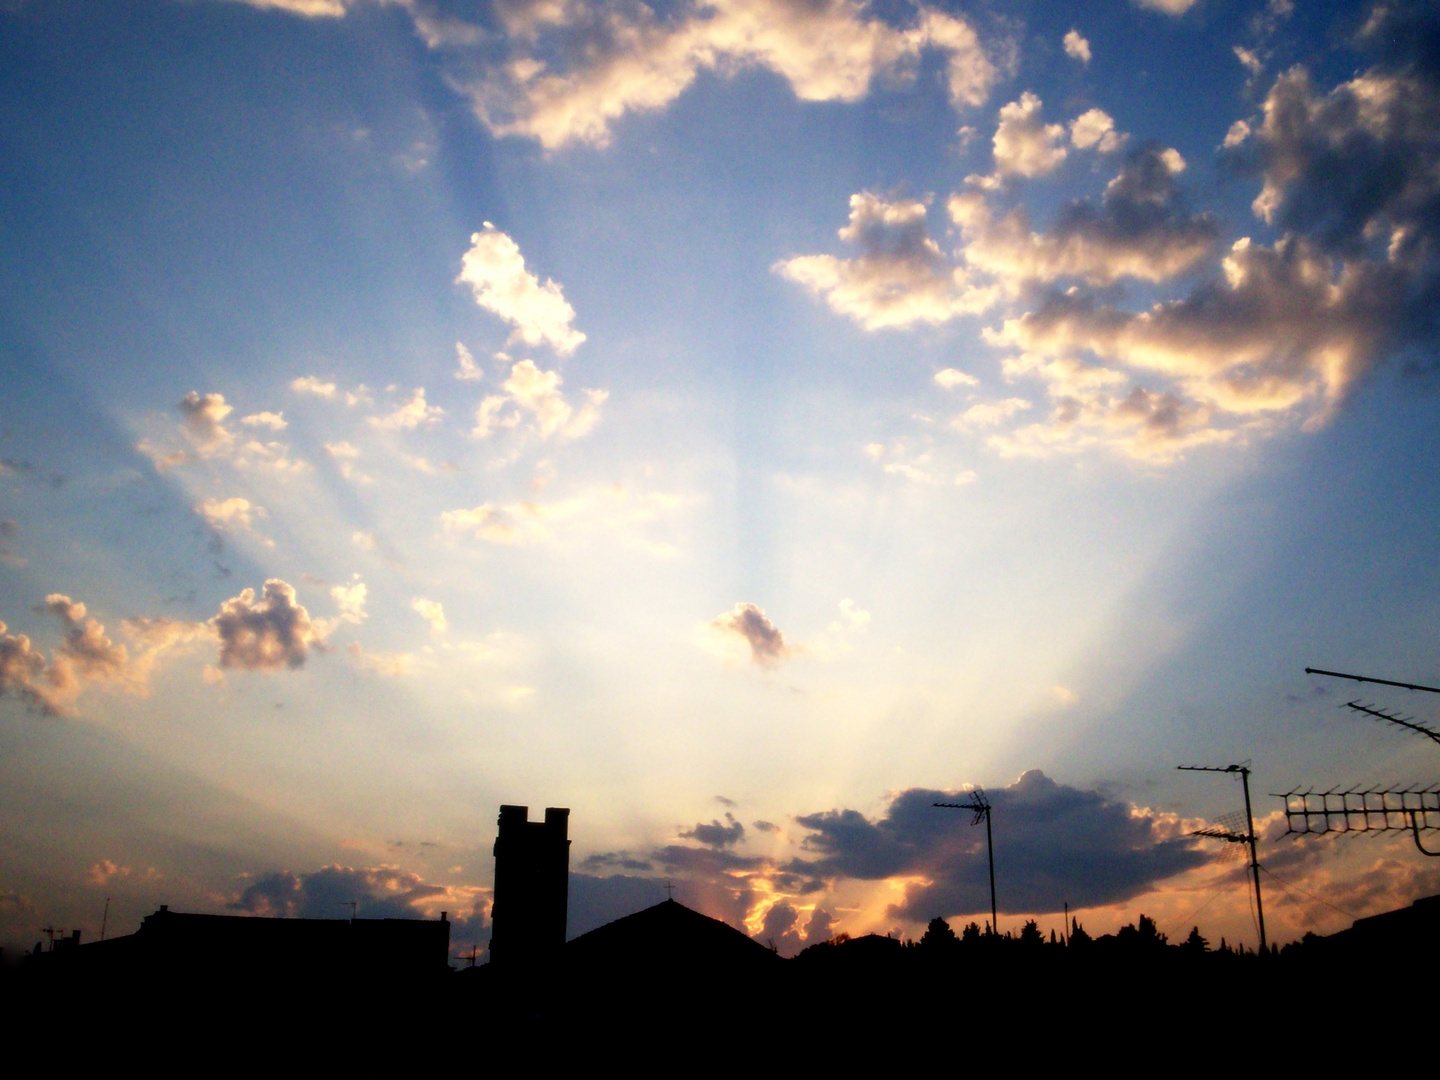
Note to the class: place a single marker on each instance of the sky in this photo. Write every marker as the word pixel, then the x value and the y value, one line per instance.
pixel 744 422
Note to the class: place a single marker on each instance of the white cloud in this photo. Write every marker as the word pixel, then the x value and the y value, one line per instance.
pixel 271 420
pixel 900 276
pixel 614 511
pixel 350 600
pixel 495 271
pixel 412 414
pixel 433 612
pixel 1076 47
pixel 1168 7
pixel 466 371
pixel 990 413
pixel 311 384
pixel 310 9
pixel 229 513
pixel 951 377
pixel 624 57
pixel 1096 128
pixel 1024 145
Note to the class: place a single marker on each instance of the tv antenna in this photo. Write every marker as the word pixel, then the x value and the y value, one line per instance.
pixel 979 805
pixel 1354 810
pixel 1232 835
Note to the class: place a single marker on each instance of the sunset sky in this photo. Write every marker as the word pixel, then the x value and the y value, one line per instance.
pixel 738 421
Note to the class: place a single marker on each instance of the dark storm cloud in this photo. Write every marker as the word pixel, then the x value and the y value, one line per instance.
pixel 1053 843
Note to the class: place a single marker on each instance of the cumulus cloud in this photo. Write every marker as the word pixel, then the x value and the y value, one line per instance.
pixel 1096 128
pixel 268 633
pixel 990 413
pixel 413 413
pixel 534 393
pixel 310 384
pixel 272 420
pixel 310 9
pixel 751 625
pixel 1076 47
pixel 85 656
pixel 1060 843
pixel 900 277
pixel 575 68
pixel 235 513
pixel 1140 229
pixel 496 273
pixel 1024 145
pixel 203 434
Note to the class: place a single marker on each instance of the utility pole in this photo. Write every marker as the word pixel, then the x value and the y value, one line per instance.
pixel 1231 836
pixel 980 807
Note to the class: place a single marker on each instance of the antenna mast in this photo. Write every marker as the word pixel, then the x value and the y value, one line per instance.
pixel 980 807
pixel 1230 836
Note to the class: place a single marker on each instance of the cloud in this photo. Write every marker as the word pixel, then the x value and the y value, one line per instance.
pixel 203 434
pixel 1057 843
pixel 495 271
pixel 85 656
pixel 1076 47
pixel 717 835
pixel 230 514
pixel 573 69
pixel 265 635
pixel 950 378
pixel 466 371
pixel 1023 144
pixel 432 612
pixel 990 413
pixel 530 390
pixel 412 414
pixel 615 510
pixel 1095 128
pixel 750 624
pixel 378 892
pixel 350 600
pixel 105 871
pixel 900 276
pixel 310 9
pixel 1168 7
pixel 271 420
pixel 780 929
pixel 203 419
pixel 310 384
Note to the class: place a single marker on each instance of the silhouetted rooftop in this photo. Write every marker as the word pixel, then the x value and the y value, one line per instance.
pixel 667 936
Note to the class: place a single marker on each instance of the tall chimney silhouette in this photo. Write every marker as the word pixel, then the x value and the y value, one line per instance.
pixel 532 880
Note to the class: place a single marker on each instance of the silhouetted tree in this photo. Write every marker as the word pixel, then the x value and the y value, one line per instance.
pixel 1030 934
pixel 971 933
pixel 1078 936
pixel 938 935
pixel 1196 943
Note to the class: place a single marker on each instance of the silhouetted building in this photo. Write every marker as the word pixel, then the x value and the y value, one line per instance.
pixel 668 942
pixel 532 881
pixel 241 949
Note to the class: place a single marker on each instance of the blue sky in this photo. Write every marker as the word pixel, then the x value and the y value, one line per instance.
pixel 743 408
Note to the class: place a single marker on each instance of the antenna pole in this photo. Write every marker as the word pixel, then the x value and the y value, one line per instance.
pixel 1367 678
pixel 105 918
pixel 990 850
pixel 1254 860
